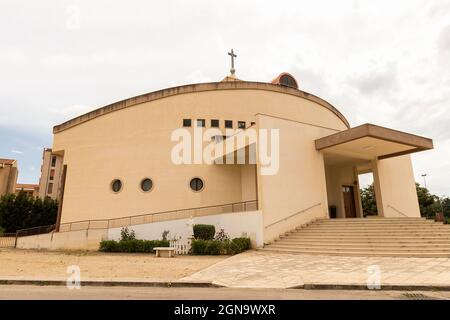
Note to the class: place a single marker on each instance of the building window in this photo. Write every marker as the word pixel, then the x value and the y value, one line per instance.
pixel 186 122
pixel 196 184
pixel 50 188
pixel 228 124
pixel 201 123
pixel 252 123
pixel 53 161
pixel 241 124
pixel 116 185
pixel 146 184
pixel 288 81
pixel 214 123
pixel 52 174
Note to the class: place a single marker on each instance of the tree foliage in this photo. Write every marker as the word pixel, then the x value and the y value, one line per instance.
pixel 429 203
pixel 369 204
pixel 23 211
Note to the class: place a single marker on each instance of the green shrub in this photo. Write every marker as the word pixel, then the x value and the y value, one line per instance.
pixel 133 245
pixel 239 245
pixel 127 234
pixel 198 247
pixel 109 246
pixel 216 247
pixel 204 231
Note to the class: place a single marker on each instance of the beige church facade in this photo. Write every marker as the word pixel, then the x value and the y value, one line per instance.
pixel 117 165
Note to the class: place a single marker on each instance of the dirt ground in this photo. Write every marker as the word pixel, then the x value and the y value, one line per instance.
pixel 52 265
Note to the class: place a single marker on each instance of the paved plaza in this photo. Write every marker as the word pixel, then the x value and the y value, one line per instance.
pixel 257 269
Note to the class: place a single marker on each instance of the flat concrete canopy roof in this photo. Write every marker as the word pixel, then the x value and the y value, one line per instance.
pixel 369 141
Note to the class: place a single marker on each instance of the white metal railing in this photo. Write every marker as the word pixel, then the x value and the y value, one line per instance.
pixel 293 215
pixel 398 211
pixel 159 216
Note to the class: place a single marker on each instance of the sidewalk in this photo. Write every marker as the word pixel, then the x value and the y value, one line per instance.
pixel 257 269
pixel 252 269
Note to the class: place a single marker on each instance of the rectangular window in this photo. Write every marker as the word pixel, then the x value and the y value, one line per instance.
pixel 252 123
pixel 241 124
pixel 52 174
pixel 186 122
pixel 214 123
pixel 53 161
pixel 201 123
pixel 50 188
pixel 228 124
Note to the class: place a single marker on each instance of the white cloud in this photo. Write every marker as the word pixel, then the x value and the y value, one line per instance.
pixel 16 151
pixel 383 62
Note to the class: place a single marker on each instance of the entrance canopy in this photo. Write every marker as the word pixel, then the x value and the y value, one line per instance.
pixel 369 142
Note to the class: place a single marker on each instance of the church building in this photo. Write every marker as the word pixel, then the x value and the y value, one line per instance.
pixel 120 164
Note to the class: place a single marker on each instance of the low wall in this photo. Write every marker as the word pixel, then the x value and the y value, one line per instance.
pixel 234 224
pixel 73 240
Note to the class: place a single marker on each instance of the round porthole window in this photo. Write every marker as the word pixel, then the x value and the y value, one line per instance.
pixel 146 184
pixel 116 185
pixel 196 184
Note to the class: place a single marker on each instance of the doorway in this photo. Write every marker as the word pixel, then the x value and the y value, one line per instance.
pixel 349 201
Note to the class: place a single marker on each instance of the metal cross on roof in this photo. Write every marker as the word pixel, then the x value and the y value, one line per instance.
pixel 232 70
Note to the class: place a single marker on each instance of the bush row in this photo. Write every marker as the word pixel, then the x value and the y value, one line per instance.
pixel 216 247
pixel 133 245
pixel 204 231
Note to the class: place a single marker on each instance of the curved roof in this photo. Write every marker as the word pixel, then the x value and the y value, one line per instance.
pixel 190 88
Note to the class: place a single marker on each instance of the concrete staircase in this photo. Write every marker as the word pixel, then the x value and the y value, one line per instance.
pixel 401 237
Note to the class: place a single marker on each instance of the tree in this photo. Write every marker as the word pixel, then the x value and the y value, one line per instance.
pixel 369 204
pixel 429 204
pixel 23 211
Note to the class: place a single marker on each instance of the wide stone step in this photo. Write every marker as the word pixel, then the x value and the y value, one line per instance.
pixel 368 222
pixel 381 246
pixel 350 229
pixel 374 221
pixel 363 248
pixel 359 238
pixel 368 240
pixel 379 225
pixel 371 220
pixel 415 237
pixel 381 231
pixel 428 254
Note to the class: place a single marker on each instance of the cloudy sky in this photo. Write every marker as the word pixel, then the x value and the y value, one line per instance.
pixel 384 62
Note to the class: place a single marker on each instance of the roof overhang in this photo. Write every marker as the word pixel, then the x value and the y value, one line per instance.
pixel 369 141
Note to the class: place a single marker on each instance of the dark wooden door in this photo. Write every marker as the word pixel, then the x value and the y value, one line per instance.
pixel 349 201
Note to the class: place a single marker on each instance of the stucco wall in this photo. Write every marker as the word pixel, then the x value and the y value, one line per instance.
pixel 134 143
pixel 73 240
pixel 395 187
pixel 300 181
pixel 234 224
